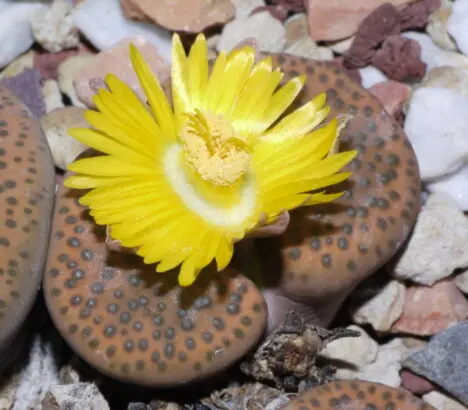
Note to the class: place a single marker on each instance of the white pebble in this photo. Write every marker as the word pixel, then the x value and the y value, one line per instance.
pixel 67 70
pixel 102 22
pixel 15 30
pixel 245 7
pixel 438 244
pixel 52 95
pixel 442 402
pixel 461 281
pixel 357 351
pixel 54 29
pixel 433 55
pixel 366 360
pixel 458 24
pixel 455 185
pixel 371 75
pixel 436 125
pixel 437 26
pixel 382 310
pixel 268 31
pixel 56 124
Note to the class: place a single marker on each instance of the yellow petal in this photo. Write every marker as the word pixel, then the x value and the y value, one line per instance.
pixel 135 110
pixel 103 143
pixel 197 71
pixel 281 100
pixel 87 182
pixel 299 122
pixel 157 100
pixel 224 253
pixel 108 166
pixel 236 73
pixel 215 79
pixel 179 77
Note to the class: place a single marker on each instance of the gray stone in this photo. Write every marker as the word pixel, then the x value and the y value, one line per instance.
pixel 444 361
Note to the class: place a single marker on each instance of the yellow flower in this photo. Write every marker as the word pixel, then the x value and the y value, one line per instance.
pixel 182 183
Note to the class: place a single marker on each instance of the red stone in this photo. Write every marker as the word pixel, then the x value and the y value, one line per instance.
pixel 400 59
pixel 431 309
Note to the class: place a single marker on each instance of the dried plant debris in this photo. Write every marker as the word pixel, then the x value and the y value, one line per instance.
pixel 249 396
pixel 288 356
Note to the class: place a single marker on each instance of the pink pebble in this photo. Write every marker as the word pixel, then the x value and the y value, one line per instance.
pixel 414 383
pixel 431 309
pixel 392 95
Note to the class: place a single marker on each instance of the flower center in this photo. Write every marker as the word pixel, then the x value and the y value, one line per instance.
pixel 213 150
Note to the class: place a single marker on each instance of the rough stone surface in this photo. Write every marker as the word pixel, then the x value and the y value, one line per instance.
pixel 382 22
pixel 442 402
pixel 64 148
pixel 66 74
pixel 416 14
pixel 90 77
pixel 52 95
pixel 269 33
pixel 429 310
pixel 337 19
pixel 245 7
pixel 54 29
pixel 399 59
pixel 179 15
pixel 104 33
pixel 452 78
pixel 383 309
pixel 437 26
pixel 435 56
pixel 393 96
pixel 440 231
pixel 363 359
pixel 444 361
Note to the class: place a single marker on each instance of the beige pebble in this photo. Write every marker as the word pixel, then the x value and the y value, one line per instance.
pixel 66 71
pixel 52 95
pixel 268 31
pixel 191 16
pixel 64 148
pixel 90 77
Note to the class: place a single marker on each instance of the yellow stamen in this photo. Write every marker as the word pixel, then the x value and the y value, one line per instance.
pixel 213 150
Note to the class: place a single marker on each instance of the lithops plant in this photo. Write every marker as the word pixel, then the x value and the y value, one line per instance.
pixel 328 249
pixel 356 395
pixel 27 190
pixel 143 327
pixel 135 325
